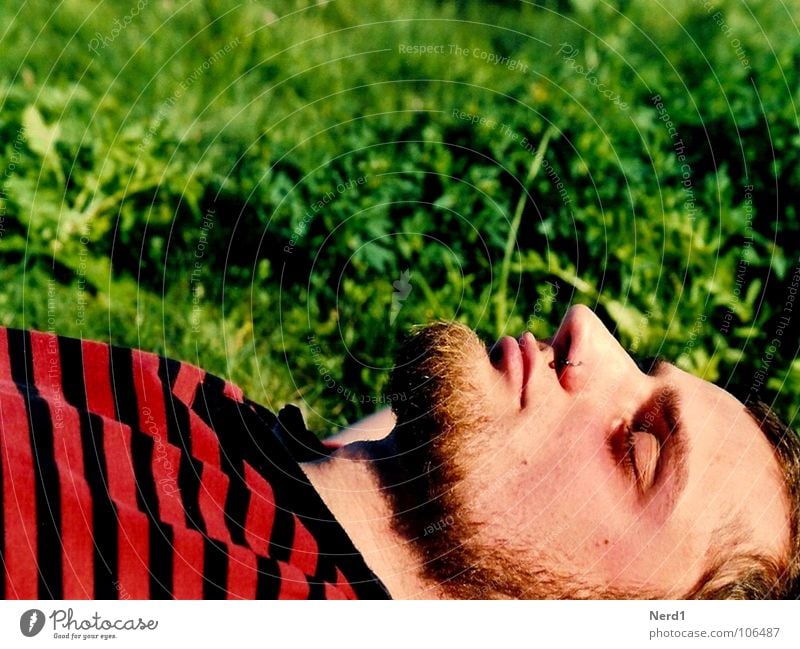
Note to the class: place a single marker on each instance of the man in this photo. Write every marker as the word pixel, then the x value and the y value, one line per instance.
pixel 537 470
pixel 563 470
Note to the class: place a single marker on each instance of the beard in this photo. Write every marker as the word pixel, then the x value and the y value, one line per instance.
pixel 441 428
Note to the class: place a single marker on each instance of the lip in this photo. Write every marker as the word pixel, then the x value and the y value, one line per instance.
pixel 517 360
pixel 512 361
pixel 528 348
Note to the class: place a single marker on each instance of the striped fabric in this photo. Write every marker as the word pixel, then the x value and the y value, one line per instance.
pixel 126 475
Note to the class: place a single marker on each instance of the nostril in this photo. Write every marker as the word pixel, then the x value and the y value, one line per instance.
pixel 496 355
pixel 561 346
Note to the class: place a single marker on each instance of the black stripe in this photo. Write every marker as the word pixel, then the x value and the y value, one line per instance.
pixel 19 356
pixel 270 458
pixel 268 584
pixel 336 550
pixel 316 590
pixel 209 397
pixel 92 430
pixel 236 504
pixel 104 515
pixel 246 434
pixel 190 472
pixel 123 387
pixel 301 443
pixel 179 435
pixel 49 549
pixel 222 415
pixel 160 546
pixel 161 554
pixel 294 493
pixel 292 490
pixel 142 455
pixel 178 432
pixel 326 566
pixel 215 569
pixel 72 384
pixel 282 537
pixel 235 430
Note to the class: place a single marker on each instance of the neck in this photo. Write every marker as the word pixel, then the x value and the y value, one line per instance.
pixel 347 483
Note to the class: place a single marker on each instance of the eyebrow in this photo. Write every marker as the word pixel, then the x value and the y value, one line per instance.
pixel 673 461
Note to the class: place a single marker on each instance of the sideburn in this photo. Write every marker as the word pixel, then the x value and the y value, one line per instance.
pixel 419 470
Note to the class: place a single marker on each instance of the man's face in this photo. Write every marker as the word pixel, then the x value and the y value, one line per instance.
pixel 623 480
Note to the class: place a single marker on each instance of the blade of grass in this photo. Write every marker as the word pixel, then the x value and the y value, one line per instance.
pixel 502 291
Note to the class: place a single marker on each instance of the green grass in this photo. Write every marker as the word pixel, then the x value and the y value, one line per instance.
pixel 160 179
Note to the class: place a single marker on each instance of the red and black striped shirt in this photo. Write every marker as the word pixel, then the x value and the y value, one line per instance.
pixel 124 474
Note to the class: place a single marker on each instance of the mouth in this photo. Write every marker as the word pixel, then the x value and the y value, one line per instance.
pixel 517 358
pixel 563 352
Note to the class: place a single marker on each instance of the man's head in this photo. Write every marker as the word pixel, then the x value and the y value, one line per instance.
pixel 516 473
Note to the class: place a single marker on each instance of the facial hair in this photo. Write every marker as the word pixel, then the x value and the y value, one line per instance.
pixel 441 423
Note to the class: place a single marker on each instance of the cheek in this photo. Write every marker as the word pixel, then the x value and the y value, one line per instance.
pixel 547 485
pixel 660 561
pixel 549 506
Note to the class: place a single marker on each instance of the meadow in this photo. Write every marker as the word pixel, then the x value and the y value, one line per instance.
pixel 277 191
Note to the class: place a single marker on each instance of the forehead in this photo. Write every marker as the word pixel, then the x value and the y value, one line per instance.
pixel 735 478
pixel 715 410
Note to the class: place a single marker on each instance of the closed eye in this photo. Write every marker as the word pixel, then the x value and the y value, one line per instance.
pixel 655 451
pixel 642 453
pixel 637 453
pixel 654 428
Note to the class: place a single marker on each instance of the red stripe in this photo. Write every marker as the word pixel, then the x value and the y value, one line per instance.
pixel 213 490
pixel 19 500
pixel 153 422
pixel 134 576
pixel 132 533
pixel 304 549
pixel 46 364
pixel 97 379
pixel 332 592
pixel 76 498
pixel 233 392
pixel 5 360
pixel 205 443
pixel 242 573
pixel 187 567
pixel 294 584
pixel 117 448
pixel 260 512
pixel 76 533
pixel 184 387
pixel 344 585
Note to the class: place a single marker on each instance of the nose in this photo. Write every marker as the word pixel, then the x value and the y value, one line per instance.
pixel 597 360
